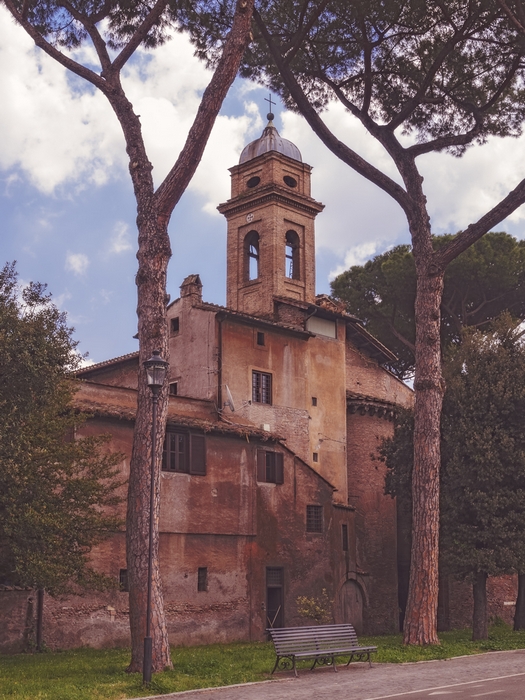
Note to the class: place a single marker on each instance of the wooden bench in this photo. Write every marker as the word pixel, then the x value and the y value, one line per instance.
pixel 321 643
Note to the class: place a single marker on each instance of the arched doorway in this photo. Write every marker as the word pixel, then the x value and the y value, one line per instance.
pixel 350 604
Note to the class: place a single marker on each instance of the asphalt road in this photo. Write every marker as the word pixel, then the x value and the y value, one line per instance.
pixel 492 675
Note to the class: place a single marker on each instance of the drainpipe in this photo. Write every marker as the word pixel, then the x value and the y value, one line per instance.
pixel 219 365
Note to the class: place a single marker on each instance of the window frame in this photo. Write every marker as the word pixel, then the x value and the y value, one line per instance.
pixel 292 257
pixel 202 579
pixel 260 393
pixel 252 256
pixel 270 467
pixel 192 453
pixel 314 519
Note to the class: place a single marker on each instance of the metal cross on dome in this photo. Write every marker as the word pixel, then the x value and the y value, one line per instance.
pixel 270 102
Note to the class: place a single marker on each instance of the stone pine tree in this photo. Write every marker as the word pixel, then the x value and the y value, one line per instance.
pixel 483 461
pixel 445 75
pixel 114 30
pixel 485 280
pixel 56 493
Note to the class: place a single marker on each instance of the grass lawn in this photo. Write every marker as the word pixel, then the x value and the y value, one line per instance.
pixel 94 674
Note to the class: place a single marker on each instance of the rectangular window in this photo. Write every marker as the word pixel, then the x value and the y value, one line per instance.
pixel 344 537
pixel 260 338
pixel 315 456
pixel 261 387
pixel 314 400
pixel 202 578
pixel 123 580
pixel 185 453
pixel 174 388
pixel 175 326
pixel 270 467
pixel 314 518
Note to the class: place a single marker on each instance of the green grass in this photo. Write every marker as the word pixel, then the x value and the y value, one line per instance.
pixel 93 674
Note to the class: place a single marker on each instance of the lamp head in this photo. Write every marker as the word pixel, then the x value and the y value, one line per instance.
pixel 156 369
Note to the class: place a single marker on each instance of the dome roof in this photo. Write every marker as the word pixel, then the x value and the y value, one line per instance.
pixel 270 141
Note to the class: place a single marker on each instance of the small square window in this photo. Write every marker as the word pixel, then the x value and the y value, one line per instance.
pixel 314 518
pixel 202 578
pixel 175 325
pixel 315 456
pixel 174 388
pixel 123 580
pixel 260 338
pixel 314 400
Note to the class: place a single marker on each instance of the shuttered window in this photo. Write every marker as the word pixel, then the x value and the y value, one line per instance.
pixel 270 467
pixel 185 453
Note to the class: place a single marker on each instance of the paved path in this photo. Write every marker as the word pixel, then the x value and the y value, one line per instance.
pixel 492 675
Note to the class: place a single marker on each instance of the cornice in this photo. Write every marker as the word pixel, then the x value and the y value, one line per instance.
pixel 245 203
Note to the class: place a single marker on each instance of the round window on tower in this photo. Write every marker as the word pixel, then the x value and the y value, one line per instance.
pixel 290 181
pixel 253 181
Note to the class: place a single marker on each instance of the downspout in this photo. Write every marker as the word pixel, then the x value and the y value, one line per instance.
pixel 219 365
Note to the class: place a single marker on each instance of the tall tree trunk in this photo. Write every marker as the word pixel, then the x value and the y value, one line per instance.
pixel 480 625
pixel 153 255
pixel 154 211
pixel 519 615
pixel 420 625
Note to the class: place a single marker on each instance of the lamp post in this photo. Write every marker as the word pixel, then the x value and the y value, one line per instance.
pixel 156 369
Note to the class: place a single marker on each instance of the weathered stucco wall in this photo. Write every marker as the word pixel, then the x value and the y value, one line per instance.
pixel 376 527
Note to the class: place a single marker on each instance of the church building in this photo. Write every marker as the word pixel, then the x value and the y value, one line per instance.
pixel 270 489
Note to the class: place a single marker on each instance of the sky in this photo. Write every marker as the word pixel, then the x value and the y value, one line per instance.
pixel 67 211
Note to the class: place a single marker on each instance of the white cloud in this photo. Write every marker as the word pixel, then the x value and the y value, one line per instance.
pixel 61 299
pixel 61 134
pixel 358 255
pixel 77 263
pixel 55 133
pixel 86 361
pixel 120 241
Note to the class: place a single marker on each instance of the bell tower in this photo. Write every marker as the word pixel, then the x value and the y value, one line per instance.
pixel 270 240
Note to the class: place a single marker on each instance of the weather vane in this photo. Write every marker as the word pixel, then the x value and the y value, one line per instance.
pixel 270 102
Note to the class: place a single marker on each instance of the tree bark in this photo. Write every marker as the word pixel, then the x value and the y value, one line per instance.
pixel 480 624
pixel 153 254
pixel 154 210
pixel 420 625
pixel 519 615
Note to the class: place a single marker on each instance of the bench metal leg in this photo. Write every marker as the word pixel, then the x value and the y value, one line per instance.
pixel 361 657
pixel 285 663
pixel 324 661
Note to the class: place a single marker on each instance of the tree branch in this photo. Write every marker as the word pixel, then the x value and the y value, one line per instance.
pixel 297 41
pixel 519 23
pixel 475 231
pixel 341 150
pixel 48 48
pixel 175 183
pixel 139 35
pixel 89 26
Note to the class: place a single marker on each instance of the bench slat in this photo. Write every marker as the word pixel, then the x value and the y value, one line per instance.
pixel 321 642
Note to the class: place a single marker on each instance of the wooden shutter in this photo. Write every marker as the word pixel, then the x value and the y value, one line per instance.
pixel 261 465
pixel 279 468
pixel 198 455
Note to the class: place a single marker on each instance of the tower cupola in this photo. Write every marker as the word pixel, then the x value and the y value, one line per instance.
pixel 271 246
pixel 270 141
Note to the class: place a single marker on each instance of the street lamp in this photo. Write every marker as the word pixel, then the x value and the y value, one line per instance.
pixel 156 369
